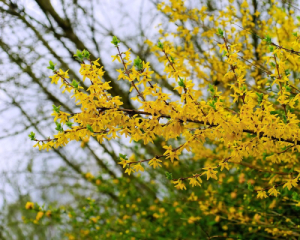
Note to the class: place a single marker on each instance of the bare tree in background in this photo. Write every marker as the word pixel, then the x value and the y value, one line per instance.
pixel 32 33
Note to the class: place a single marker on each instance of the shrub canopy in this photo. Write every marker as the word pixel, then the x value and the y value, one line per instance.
pixel 228 132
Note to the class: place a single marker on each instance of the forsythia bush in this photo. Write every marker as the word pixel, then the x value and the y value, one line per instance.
pixel 230 132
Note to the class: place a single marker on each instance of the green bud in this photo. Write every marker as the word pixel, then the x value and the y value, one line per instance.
pixel 160 45
pixel 295 34
pixel 80 56
pixel 220 32
pixel 138 64
pixel 51 66
pixel 268 40
pixel 32 136
pixel 75 84
pixel 86 54
pixel 115 41
pixel 56 109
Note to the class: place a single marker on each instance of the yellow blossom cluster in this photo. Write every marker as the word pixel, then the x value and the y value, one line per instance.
pixel 244 108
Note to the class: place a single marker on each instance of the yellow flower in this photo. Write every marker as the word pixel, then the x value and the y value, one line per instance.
pixel 116 57
pixel 138 167
pixel 192 219
pixel 129 170
pixel 88 175
pixel 290 184
pixel 273 191
pixel 155 162
pixel 123 162
pixel 194 182
pixel 48 213
pixel 224 164
pixel 39 215
pixel 29 205
pixel 261 194
pixel 180 184
pixel 210 173
pixel 98 182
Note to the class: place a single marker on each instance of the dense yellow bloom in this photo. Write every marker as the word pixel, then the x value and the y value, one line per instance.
pixel 232 105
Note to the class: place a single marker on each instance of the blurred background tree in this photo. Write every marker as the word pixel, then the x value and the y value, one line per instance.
pixel 32 32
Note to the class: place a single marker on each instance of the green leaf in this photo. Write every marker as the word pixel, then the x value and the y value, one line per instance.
pixel 51 65
pixel 274 112
pixel 59 127
pixel 181 82
pixel 271 48
pixel 295 196
pixel 138 64
pixel 75 84
pixel 265 155
pixel 80 56
pixel 32 136
pixel 169 175
pixel 115 41
pixel 298 18
pixel 89 127
pixel 211 89
pixel 287 72
pixel 288 88
pixel 260 97
pixel 123 156
pixel 250 187
pixel 69 124
pixel 212 104
pixel 295 34
pixel 284 118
